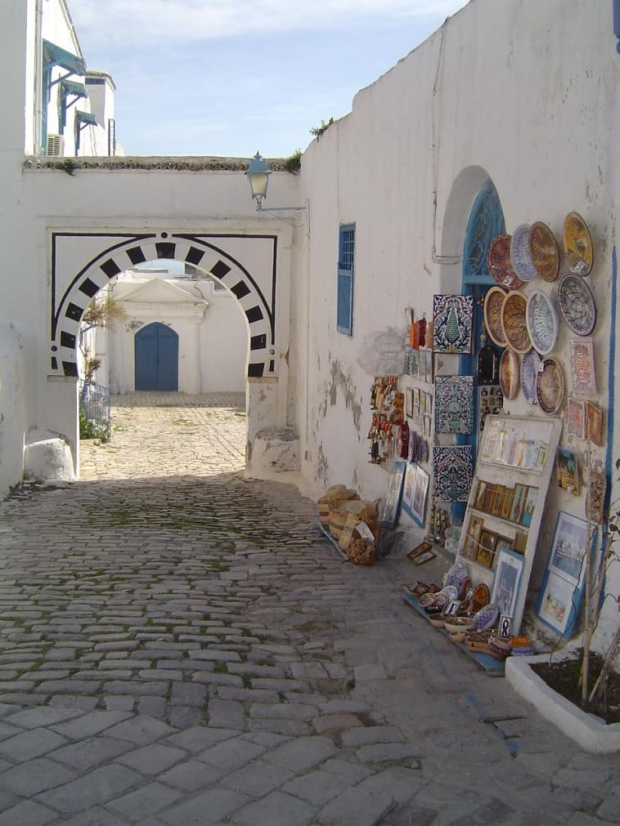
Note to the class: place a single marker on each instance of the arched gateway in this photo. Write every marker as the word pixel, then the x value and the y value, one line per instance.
pixel 117 252
pixel 83 261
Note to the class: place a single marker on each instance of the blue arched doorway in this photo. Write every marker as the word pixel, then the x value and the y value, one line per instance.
pixel 486 221
pixel 156 358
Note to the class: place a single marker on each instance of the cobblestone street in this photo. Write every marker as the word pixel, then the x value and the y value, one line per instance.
pixel 181 647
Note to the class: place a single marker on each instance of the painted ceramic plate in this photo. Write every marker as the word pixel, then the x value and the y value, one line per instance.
pixel 486 617
pixel 577 243
pixel 577 304
pixel 550 386
pixel 493 303
pixel 529 375
pixel 520 254
pixel 542 322
pixel 509 374
pixel 544 251
pixel 500 264
pixel 514 322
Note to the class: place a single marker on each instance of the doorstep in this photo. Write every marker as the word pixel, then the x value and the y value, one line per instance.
pixel 592 733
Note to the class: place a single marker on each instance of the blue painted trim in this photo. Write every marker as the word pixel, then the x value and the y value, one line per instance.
pixel 611 372
pixel 617 22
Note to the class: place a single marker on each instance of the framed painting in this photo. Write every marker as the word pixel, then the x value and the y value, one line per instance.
pixel 423 548
pixel 427 355
pixel 452 323
pixel 594 423
pixel 480 494
pixel 567 470
pixel 507 580
pixel 558 603
pixel 409 402
pixel 409 485
pixel 486 549
pixel 472 537
pixel 595 498
pixel 518 503
pixel 507 501
pixel 576 416
pixel 420 496
pixel 582 371
pixel 388 514
pixel 531 498
pixel 454 404
pixel 568 549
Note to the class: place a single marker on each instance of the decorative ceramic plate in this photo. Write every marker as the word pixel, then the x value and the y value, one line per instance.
pixel 542 322
pixel 493 303
pixel 529 375
pixel 577 243
pixel 509 374
pixel 520 254
pixel 480 597
pixel 550 386
pixel 486 617
pixel 577 304
pixel 514 322
pixel 501 265
pixel 544 251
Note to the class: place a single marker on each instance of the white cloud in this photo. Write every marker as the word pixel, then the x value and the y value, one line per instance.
pixel 151 21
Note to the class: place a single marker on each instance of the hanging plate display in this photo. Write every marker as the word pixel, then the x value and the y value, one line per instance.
pixel 520 254
pixel 514 322
pixel 577 243
pixel 577 304
pixel 550 386
pixel 529 375
pixel 544 251
pixel 493 303
pixel 500 264
pixel 542 322
pixel 509 374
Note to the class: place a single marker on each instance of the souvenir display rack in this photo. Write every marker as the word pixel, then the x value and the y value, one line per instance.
pixel 507 497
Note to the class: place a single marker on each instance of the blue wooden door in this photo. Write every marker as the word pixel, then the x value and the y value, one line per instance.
pixel 157 358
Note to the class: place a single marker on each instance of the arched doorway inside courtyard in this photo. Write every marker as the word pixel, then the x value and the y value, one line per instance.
pixel 156 358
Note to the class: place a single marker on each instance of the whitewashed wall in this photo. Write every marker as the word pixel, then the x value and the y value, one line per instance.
pixel 12 412
pixel 213 336
pixel 523 93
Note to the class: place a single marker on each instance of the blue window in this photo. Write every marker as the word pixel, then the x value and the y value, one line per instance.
pixel 346 269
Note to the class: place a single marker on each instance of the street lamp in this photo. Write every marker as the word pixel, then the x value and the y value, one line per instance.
pixel 258 173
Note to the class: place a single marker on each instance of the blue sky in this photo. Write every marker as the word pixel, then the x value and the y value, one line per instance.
pixel 230 77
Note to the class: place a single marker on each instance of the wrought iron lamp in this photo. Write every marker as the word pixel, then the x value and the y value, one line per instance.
pixel 258 173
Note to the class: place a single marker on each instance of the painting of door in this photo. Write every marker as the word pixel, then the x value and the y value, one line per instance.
pixel 157 358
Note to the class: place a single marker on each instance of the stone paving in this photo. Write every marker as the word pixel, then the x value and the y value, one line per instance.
pixel 180 646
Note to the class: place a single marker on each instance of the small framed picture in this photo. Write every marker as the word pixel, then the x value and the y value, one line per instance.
pixel 496 503
pixel 422 548
pixel 567 470
pixel 427 424
pixel 594 423
pixel 576 415
pixel 486 549
pixel 528 508
pixel 479 498
pixel 416 400
pixel 582 372
pixel 518 503
pixel 428 358
pixel 507 500
pixel 506 583
pixel 409 402
pixel 595 498
pixel 414 360
pixel 425 557
pixel 472 537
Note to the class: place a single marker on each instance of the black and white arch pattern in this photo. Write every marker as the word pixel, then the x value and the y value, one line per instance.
pixel 198 250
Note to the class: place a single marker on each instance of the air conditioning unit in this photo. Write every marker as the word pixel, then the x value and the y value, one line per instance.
pixel 55 145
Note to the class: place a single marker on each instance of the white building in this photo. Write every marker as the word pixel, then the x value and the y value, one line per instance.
pixel 510 109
